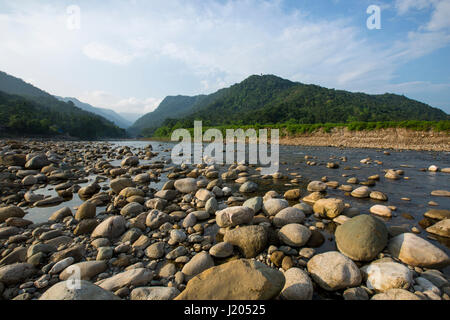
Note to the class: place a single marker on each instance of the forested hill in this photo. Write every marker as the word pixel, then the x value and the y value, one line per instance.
pixel 270 99
pixel 27 110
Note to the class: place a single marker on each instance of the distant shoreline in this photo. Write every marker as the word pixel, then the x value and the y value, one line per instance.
pixel 389 138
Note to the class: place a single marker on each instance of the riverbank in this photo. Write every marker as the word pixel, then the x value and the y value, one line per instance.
pixel 388 138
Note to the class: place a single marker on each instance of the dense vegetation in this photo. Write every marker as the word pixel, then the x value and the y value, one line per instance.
pixel 293 129
pixel 27 110
pixel 23 116
pixel 272 100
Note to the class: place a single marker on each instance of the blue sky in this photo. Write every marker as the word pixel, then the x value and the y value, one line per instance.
pixel 129 55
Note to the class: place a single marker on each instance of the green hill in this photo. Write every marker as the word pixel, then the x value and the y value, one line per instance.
pixel 269 99
pixel 27 110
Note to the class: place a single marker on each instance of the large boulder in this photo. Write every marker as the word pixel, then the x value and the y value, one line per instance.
pixel 251 240
pixel 361 238
pixel 333 271
pixel 417 252
pixel 234 216
pixel 235 280
pixel 84 291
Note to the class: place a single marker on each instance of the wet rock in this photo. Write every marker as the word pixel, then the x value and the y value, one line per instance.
pixel 86 291
pixel 361 192
pixel 440 193
pixel 417 252
pixel 378 195
pixel 329 208
pixel 361 238
pixel 248 187
pixel 112 227
pixel 60 214
pixel 130 161
pixel 298 285
pixel 317 186
pixel 392 175
pixel 333 271
pixel 244 279
pixel 292 194
pixel 380 210
pixel 295 235
pixel 437 214
pixel 251 240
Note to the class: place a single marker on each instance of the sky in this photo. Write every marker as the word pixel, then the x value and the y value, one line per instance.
pixel 128 55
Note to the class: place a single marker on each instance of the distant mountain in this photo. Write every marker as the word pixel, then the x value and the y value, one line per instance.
pixel 106 113
pixel 131 117
pixel 270 99
pixel 171 106
pixel 27 110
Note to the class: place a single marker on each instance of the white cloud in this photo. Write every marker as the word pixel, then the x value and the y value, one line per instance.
pixel 103 52
pixel 403 6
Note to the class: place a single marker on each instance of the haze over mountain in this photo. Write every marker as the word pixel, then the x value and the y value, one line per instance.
pixel 109 114
pixel 269 99
pixel 28 110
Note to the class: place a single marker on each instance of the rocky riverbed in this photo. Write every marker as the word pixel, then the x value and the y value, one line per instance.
pixel 131 225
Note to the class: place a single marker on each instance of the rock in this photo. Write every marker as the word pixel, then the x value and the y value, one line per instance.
pixel 272 206
pixel 361 238
pixel 143 178
pixel 298 285
pixel 436 277
pixel 433 168
pixel 113 227
pixel 7 232
pixel 9 212
pixel 333 271
pixel 85 226
pixel 248 187
pixel 130 161
pixel 380 210
pixel 313 197
pixel 121 183
pixel 221 250
pixel 385 275
pixel 89 191
pixel 104 253
pixel 295 235
pixel 16 273
pixel 211 206
pixel 244 279
pixel 306 208
pixel 234 216
pixel 317 186
pixel 186 185
pixel 391 174
pixel 292 194
pixel 199 263
pixel 329 208
pixel 251 240
pixel 85 270
pixel 61 265
pixel 77 252
pixel 442 228
pixel 204 195
pixel 255 203
pixel 18 222
pixel 60 214
pixel 132 209
pixel 355 294
pixel 378 195
pixel 31 197
pixel 440 193
pixel 417 252
pixel 131 191
pixel 86 211
pixel 177 236
pixel 154 293
pixel 155 251
pixel 395 294
pixel 437 214
pixel 156 219
pixel 19 254
pixel 85 291
pixel 52 201
pixel 133 277
pixel 189 221
pixel 361 192
pixel 37 163
pixel 288 215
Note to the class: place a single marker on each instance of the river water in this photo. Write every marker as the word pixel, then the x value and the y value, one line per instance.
pixel 292 159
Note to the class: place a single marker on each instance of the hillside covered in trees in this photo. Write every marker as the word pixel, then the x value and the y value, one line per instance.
pixel 269 100
pixel 28 111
